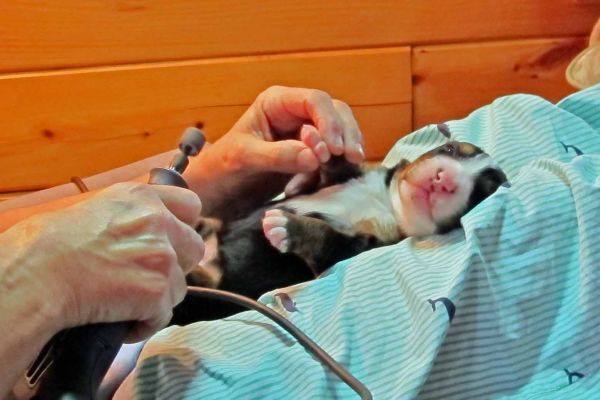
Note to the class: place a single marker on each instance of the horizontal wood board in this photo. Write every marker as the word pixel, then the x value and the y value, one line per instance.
pixel 450 81
pixel 79 122
pixel 42 35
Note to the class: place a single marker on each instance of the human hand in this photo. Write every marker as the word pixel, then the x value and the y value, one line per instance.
pixel 285 132
pixel 119 255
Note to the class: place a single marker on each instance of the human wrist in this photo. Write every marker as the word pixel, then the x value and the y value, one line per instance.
pixel 32 312
pixel 213 173
pixel 29 279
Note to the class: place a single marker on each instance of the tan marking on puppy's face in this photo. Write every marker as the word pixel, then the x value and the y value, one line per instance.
pixel 467 149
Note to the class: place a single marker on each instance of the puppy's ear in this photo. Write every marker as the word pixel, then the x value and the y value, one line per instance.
pixel 396 168
pixel 486 183
pixel 490 179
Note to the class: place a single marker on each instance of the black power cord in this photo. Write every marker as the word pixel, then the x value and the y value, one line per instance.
pixel 304 340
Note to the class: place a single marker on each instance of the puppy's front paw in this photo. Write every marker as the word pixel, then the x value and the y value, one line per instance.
pixel 275 228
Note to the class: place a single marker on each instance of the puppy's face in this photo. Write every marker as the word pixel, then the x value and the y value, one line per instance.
pixel 432 193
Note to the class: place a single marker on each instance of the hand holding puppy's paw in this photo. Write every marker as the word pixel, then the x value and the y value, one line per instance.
pixel 275 229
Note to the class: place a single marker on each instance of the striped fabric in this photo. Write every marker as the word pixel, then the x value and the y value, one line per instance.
pixel 505 309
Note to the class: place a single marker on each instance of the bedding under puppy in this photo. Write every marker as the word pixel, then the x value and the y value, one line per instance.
pixel 353 209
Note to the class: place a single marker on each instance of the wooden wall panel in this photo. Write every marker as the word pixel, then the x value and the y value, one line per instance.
pixel 55 125
pixel 382 126
pixel 450 81
pixel 36 35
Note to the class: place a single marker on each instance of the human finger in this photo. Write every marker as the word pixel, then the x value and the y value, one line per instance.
pixel 163 292
pixel 161 311
pixel 310 137
pixel 144 329
pixel 182 203
pixel 287 108
pixel 187 244
pixel 353 139
pixel 285 156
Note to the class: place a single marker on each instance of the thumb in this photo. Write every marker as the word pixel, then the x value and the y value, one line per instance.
pixel 285 156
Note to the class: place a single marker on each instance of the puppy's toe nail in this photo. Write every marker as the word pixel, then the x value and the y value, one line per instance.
pixel 278 238
pixel 322 152
pixel 271 222
pixel 278 233
pixel 284 245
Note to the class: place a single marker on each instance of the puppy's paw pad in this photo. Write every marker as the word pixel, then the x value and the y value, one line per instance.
pixel 275 229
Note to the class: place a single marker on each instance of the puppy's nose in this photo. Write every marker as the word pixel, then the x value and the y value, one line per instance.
pixel 443 182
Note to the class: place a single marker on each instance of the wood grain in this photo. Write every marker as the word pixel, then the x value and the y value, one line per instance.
pixel 450 81
pixel 36 35
pixel 79 122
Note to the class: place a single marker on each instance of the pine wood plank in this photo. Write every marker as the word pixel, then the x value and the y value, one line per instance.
pixel 80 122
pixel 36 35
pixel 450 81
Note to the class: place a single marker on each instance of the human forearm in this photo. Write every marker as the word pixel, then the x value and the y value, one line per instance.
pixel 209 175
pixel 12 217
pixel 30 311
pixel 15 210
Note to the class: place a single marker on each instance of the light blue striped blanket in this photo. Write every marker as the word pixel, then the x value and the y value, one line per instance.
pixel 504 309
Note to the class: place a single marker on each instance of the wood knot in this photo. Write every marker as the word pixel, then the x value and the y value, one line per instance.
pixel 559 54
pixel 417 79
pixel 47 133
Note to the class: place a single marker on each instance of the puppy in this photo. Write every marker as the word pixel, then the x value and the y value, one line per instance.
pixel 353 209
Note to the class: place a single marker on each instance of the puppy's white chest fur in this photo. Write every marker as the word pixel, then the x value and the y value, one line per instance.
pixel 362 204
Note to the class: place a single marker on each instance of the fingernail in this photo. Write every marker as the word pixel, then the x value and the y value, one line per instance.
pixel 322 152
pixel 361 150
pixel 338 143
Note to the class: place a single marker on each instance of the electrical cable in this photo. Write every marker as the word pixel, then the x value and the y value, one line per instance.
pixel 304 340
